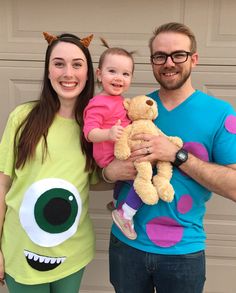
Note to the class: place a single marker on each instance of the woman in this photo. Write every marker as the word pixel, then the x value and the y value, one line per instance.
pixel 46 166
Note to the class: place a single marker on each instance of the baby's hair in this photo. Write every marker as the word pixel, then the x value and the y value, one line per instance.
pixel 104 43
pixel 114 51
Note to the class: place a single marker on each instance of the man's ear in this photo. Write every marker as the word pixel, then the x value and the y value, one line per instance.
pixel 194 59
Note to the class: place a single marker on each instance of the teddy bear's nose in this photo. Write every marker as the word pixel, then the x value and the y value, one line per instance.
pixel 149 102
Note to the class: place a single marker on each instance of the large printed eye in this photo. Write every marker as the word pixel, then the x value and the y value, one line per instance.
pixel 50 211
pixel 55 210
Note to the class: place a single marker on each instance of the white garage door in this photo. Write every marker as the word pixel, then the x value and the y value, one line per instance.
pixel 128 24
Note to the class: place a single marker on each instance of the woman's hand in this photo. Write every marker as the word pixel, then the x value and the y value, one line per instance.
pixel 2 271
pixel 5 184
pixel 120 170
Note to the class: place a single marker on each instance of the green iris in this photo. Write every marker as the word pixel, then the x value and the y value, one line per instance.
pixel 55 210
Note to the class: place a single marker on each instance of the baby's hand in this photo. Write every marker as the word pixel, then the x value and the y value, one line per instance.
pixel 115 131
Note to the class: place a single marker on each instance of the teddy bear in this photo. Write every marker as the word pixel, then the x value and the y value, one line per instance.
pixel 142 110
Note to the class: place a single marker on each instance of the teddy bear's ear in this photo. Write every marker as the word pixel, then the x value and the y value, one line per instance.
pixel 126 103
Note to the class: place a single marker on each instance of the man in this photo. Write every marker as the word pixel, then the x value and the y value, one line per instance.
pixel 168 254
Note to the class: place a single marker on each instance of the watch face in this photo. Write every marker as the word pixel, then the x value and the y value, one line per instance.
pixel 182 156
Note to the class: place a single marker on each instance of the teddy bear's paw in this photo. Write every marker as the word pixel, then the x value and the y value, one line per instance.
pixel 164 189
pixel 178 142
pixel 167 195
pixel 122 155
pixel 146 191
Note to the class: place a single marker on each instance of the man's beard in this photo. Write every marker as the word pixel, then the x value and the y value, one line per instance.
pixel 173 86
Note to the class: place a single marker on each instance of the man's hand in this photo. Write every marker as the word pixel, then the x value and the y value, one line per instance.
pixel 154 148
pixel 120 170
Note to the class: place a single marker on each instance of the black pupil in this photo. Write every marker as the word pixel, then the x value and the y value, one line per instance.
pixel 57 211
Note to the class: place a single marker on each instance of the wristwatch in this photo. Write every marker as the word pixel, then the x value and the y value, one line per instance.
pixel 180 157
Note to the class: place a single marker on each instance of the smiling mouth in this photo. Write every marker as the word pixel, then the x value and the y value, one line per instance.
pixel 169 73
pixel 69 84
pixel 41 262
pixel 116 85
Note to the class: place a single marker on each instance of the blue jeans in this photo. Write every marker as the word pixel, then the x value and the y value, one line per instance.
pixel 136 271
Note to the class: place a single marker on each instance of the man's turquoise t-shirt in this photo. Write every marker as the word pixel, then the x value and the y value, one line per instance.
pixel 208 128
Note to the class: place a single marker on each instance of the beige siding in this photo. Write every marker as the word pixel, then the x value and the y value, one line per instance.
pixel 128 24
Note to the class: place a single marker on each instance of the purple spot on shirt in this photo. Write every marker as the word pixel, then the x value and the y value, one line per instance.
pixel 185 204
pixel 197 149
pixel 164 231
pixel 230 124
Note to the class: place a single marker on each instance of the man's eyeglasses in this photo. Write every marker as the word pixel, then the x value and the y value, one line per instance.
pixel 177 57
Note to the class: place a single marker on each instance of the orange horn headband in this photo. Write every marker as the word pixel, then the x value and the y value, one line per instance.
pixel 50 38
pixel 86 41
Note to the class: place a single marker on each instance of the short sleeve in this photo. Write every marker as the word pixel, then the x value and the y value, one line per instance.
pixel 7 160
pixel 94 116
pixel 224 151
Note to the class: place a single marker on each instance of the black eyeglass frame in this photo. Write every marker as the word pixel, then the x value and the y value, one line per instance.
pixel 171 56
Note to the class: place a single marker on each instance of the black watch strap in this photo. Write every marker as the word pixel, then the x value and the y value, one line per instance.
pixel 180 157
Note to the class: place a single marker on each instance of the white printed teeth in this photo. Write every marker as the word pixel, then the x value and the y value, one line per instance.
pixel 43 259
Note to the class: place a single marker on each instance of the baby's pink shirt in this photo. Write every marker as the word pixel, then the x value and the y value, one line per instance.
pixel 103 112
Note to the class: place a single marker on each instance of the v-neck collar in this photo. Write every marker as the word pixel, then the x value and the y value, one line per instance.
pixel 179 106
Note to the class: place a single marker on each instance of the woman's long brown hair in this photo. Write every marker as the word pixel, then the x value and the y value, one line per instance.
pixel 36 125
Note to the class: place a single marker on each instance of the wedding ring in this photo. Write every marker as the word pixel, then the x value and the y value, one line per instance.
pixel 148 151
